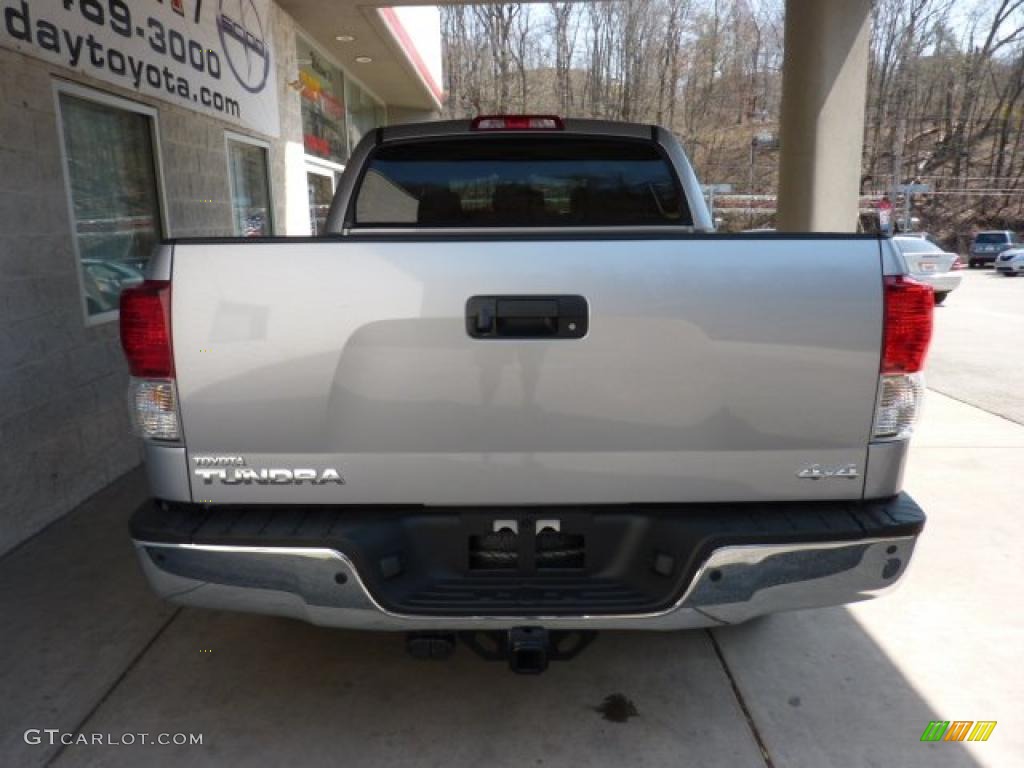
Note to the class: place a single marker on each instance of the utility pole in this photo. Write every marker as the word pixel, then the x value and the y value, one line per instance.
pixel 750 183
pixel 750 180
pixel 897 164
pixel 710 190
pixel 906 209
pixel 908 191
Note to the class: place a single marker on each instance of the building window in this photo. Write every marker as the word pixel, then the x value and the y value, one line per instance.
pixel 251 209
pixel 111 172
pixel 364 112
pixel 323 105
pixel 320 183
pixel 336 113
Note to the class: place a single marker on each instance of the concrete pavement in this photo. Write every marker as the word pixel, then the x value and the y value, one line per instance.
pixel 946 645
pixel 273 692
pixel 73 616
pixel 979 354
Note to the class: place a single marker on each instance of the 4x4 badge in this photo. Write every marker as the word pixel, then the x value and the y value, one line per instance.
pixel 818 472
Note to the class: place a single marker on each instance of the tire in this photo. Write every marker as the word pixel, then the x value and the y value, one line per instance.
pixel 1010 274
pixel 941 297
pixel 972 264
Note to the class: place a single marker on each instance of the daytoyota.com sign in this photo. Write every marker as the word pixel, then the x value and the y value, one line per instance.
pixel 213 56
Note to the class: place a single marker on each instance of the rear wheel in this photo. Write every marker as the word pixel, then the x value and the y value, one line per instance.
pixel 1009 273
pixel 941 297
pixel 972 264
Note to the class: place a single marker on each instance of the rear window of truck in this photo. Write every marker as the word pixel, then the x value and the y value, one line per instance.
pixel 519 182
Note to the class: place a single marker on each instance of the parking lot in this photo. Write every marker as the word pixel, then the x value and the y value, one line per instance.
pixel 978 356
pixel 87 649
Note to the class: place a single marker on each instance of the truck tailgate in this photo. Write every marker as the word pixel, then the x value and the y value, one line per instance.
pixel 713 368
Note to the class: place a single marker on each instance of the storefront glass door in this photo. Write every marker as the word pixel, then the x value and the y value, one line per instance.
pixel 321 183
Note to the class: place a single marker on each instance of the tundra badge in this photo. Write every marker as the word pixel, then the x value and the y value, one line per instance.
pixel 231 470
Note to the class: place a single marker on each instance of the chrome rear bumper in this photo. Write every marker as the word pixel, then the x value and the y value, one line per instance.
pixel 322 586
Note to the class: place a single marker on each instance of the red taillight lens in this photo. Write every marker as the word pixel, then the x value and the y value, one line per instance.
pixel 146 329
pixel 908 324
pixel 517 123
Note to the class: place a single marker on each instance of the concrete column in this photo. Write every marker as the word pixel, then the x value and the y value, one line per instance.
pixel 824 87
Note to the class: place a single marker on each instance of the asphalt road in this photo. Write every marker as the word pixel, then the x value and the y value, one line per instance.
pixel 977 353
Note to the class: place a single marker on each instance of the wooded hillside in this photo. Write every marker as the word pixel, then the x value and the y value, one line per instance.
pixel 945 92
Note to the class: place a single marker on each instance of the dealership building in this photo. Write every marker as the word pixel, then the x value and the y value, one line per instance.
pixel 123 122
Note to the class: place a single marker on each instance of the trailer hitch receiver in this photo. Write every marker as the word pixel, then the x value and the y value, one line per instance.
pixel 528 649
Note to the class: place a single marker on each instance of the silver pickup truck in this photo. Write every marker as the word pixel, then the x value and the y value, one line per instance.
pixel 521 391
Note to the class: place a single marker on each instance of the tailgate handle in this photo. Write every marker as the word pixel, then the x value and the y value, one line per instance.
pixel 526 317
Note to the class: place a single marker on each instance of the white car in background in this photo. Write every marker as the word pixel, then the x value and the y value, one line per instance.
pixel 1010 262
pixel 929 263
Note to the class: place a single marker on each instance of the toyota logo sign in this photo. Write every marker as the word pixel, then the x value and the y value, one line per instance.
pixel 244 41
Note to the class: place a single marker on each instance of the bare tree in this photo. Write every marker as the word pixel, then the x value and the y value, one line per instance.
pixel 565 27
pixel 945 91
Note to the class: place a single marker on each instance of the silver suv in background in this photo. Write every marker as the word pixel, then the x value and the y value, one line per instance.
pixel 986 246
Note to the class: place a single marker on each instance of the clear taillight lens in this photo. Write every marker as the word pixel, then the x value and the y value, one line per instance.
pixel 155 409
pixel 907 334
pixel 146 338
pixel 899 402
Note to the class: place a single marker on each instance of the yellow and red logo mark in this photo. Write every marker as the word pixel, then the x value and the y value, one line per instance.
pixel 958 730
